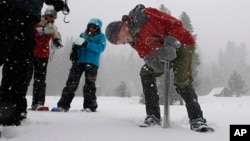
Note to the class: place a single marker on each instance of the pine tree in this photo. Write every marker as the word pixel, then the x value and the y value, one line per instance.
pixel 233 57
pixel 122 90
pixel 237 85
pixel 164 9
pixel 196 58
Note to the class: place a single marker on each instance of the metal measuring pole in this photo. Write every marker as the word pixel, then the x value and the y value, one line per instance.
pixel 166 122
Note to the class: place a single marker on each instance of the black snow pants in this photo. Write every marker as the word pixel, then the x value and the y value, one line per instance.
pixel 16 55
pixel 39 86
pixel 89 88
pixel 148 80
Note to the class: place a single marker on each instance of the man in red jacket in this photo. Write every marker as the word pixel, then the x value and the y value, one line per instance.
pixel 158 37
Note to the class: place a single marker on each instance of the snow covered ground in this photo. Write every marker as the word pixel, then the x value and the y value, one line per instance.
pixel 116 120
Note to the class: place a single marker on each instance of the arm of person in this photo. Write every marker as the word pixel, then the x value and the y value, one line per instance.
pixel 168 51
pixel 59 5
pixel 153 62
pixel 56 38
pixel 97 44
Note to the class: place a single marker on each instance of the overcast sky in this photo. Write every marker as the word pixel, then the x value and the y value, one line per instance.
pixel 214 21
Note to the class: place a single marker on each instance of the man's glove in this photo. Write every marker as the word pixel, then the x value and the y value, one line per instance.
pixel 168 51
pixel 74 54
pixel 153 62
pixel 56 44
pixel 80 42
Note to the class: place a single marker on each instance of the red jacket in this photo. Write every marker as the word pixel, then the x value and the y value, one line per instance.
pixel 159 25
pixel 42 49
pixel 43 34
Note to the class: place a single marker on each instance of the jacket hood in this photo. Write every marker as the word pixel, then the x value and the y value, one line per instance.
pixel 96 21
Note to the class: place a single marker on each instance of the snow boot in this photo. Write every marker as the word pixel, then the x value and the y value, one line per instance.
pixel 197 123
pixel 152 120
pixel 9 114
pixel 87 110
pixel 58 109
pixel 90 105
pixel 39 107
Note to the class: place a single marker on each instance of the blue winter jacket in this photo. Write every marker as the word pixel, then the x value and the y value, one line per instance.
pixel 95 46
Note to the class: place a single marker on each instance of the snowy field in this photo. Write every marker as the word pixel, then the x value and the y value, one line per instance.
pixel 116 120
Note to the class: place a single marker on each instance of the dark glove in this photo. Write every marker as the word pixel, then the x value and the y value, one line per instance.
pixel 168 51
pixel 56 42
pixel 74 54
pixel 60 5
pixel 153 62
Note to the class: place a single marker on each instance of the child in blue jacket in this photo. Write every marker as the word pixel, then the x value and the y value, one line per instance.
pixel 85 57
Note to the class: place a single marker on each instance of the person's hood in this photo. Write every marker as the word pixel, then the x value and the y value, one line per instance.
pixel 95 21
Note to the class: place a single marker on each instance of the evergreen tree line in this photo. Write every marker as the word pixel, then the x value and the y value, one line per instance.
pixel 231 70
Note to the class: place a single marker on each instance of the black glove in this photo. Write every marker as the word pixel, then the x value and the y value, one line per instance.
pixel 168 51
pixel 74 54
pixel 57 43
pixel 60 5
pixel 85 44
pixel 153 62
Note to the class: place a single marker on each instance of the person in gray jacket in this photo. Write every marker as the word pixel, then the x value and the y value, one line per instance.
pixel 18 19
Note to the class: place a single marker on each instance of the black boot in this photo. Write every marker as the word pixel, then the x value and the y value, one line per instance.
pixel 151 120
pixel 12 110
pixel 197 123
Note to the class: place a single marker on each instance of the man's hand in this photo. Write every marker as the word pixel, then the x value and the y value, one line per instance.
pixel 168 51
pixel 56 42
pixel 153 62
pixel 60 5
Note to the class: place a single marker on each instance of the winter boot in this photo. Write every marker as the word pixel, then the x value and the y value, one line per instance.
pixel 10 115
pixel 152 120
pixel 90 106
pixel 12 111
pixel 197 123
pixel 38 107
pixel 59 109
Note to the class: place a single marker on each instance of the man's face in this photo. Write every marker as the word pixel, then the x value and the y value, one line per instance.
pixel 49 18
pixel 123 36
